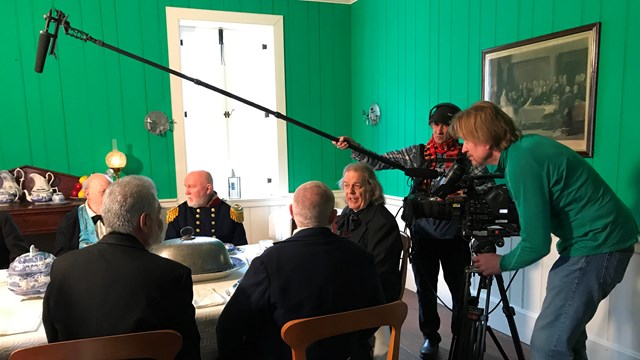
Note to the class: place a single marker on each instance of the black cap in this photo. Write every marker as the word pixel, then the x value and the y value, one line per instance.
pixel 443 113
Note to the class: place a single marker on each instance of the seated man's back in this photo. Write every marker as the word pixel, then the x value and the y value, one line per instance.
pixel 117 286
pixel 313 273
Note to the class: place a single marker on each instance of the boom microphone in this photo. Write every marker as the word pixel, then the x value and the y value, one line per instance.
pixel 41 53
pixel 43 43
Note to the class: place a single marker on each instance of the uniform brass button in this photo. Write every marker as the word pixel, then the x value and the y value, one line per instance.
pixel 197 216
pixel 197 222
pixel 213 223
pixel 198 210
pixel 197 230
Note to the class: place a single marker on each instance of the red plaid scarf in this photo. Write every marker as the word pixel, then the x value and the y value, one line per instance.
pixel 434 154
pixel 448 149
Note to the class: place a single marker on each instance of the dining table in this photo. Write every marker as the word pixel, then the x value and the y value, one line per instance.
pixel 21 317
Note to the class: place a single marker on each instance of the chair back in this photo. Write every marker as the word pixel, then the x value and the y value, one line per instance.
pixel 301 333
pixel 404 262
pixel 160 345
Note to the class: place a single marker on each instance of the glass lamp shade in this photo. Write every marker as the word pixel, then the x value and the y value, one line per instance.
pixel 116 160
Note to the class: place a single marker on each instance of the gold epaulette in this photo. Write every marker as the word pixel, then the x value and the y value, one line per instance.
pixel 236 213
pixel 172 214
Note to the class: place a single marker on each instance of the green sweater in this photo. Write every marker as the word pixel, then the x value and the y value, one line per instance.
pixel 557 191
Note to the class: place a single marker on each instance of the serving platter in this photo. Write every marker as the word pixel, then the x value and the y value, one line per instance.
pixel 237 264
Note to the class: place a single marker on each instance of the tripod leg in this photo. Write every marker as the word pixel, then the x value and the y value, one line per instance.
pixel 495 341
pixel 481 345
pixel 509 314
pixel 465 323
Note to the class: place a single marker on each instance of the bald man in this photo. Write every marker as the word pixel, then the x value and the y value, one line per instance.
pixel 205 212
pixel 314 272
pixel 83 225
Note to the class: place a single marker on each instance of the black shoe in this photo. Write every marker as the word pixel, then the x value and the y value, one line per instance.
pixel 429 349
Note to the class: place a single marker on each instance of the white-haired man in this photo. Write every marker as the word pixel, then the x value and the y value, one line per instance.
pixel 117 286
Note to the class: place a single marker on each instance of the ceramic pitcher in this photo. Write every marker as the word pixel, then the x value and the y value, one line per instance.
pixel 10 186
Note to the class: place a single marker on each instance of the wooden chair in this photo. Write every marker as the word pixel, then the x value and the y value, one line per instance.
pixel 160 345
pixel 404 262
pixel 301 333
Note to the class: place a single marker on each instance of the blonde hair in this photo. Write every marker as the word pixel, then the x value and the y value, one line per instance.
pixel 485 123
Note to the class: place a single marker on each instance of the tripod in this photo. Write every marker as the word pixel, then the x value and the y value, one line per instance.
pixel 471 322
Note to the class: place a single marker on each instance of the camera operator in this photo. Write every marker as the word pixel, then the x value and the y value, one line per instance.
pixel 434 242
pixel 555 191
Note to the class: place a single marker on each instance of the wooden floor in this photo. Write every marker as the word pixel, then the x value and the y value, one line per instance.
pixel 411 339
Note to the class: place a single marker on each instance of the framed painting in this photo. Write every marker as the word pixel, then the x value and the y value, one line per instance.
pixel 547 84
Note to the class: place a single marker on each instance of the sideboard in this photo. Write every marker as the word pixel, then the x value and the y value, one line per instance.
pixel 38 222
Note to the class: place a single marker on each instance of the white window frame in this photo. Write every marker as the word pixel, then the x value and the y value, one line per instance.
pixel 174 16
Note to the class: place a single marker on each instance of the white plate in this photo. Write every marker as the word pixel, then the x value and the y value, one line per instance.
pixel 237 264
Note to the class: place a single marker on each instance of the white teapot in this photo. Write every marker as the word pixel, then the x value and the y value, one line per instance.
pixel 42 190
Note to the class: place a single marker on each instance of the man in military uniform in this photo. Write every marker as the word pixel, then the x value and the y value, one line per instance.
pixel 205 212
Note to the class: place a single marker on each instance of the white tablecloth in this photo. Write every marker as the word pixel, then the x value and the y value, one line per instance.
pixel 13 307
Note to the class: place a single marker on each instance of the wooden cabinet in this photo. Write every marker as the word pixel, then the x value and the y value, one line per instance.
pixel 38 219
pixel 38 222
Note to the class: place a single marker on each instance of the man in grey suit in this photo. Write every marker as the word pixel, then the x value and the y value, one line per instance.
pixel 314 272
pixel 117 286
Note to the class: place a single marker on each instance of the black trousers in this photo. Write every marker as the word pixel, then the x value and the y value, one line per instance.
pixel 427 255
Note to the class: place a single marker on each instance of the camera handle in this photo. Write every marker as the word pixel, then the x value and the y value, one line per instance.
pixel 471 323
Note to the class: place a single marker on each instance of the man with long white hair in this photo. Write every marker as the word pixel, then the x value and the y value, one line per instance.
pixel 117 286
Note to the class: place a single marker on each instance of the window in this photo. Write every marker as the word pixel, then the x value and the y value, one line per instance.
pixel 217 133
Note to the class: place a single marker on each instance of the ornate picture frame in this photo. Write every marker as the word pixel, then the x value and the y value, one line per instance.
pixel 548 84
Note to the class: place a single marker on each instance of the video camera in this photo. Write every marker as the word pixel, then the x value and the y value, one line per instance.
pixel 487 214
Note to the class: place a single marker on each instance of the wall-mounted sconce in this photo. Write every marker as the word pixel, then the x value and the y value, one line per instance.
pixel 157 123
pixel 115 159
pixel 373 116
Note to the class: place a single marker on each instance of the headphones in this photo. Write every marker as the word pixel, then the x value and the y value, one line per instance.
pixel 454 109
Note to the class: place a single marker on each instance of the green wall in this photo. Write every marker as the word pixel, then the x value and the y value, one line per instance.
pixel 64 119
pixel 405 55
pixel 409 55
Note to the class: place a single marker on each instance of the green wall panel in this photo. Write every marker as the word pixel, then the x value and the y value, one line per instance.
pixel 405 55
pixel 66 118
pixel 441 58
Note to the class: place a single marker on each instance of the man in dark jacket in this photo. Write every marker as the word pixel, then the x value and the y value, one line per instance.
pixel 435 242
pixel 312 273
pixel 117 286
pixel 83 225
pixel 12 243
